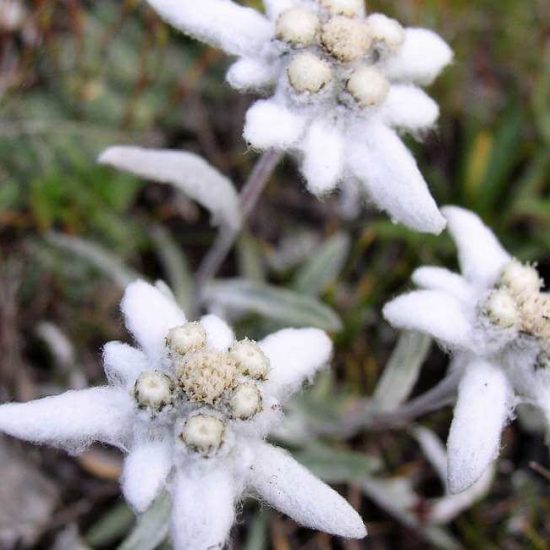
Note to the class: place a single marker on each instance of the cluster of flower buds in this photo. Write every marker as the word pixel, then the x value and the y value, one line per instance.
pixel 334 48
pixel 208 387
pixel 517 303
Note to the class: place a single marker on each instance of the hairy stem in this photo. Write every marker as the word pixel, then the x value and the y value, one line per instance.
pixel 249 196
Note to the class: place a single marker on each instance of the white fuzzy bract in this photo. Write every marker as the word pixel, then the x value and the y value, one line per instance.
pixel 341 85
pixel 192 406
pixel 496 321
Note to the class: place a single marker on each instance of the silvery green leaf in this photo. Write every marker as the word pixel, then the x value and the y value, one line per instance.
pixel 187 172
pixel 401 371
pixel 152 527
pixel 397 498
pixel 286 306
pixel 324 266
pixel 111 526
pixel 335 465
pixel 103 260
pixel 176 266
pixel 250 258
pixel 433 449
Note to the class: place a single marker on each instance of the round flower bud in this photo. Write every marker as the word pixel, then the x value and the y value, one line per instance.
pixel 345 39
pixel 297 26
pixel 502 310
pixel 153 390
pixel 205 375
pixel 368 86
pixel 203 434
pixel 349 8
pixel 250 359
pixel 520 278
pixel 385 32
pixel 187 338
pixel 308 73
pixel 535 310
pixel 245 402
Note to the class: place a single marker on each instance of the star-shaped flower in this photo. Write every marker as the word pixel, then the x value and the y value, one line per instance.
pixel 342 84
pixel 191 407
pixel 496 322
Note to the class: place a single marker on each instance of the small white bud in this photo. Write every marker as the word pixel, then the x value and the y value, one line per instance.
pixel 349 8
pixel 502 310
pixel 535 310
pixel 368 86
pixel 203 434
pixel 187 338
pixel 345 39
pixel 385 32
pixel 520 278
pixel 297 26
pixel 245 402
pixel 205 375
pixel 154 390
pixel 250 359
pixel 308 73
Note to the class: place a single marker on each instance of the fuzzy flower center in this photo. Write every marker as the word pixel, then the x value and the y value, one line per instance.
pixel 518 303
pixel 337 45
pixel 215 388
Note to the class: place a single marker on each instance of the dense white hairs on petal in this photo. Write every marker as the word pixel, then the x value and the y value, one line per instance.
pixel 480 254
pixel 410 108
pixel 220 335
pixel 269 124
pixel 391 178
pixel 145 471
pixel 238 30
pixel 290 488
pixel 149 315
pixel 252 74
pixel 123 363
pixel 186 171
pixel 274 8
pixel 483 407
pixel 439 278
pixel 422 57
pixel 202 509
pixel 294 355
pixel 72 420
pixel 433 312
pixel 323 162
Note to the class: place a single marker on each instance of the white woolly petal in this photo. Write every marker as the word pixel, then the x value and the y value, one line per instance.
pixel 220 334
pixel 274 8
pixel 439 278
pixel 252 74
pixel 410 108
pixel 202 509
pixel 391 178
pixel 481 256
pixel 432 312
pixel 290 488
pixel 422 57
pixel 149 315
pixel 236 29
pixel 295 355
pixel 123 363
pixel 481 412
pixel 323 163
pixel 189 173
pixel 271 125
pixel 72 420
pixel 145 471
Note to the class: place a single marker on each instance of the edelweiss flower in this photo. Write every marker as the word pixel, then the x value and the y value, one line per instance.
pixel 496 321
pixel 192 407
pixel 342 84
